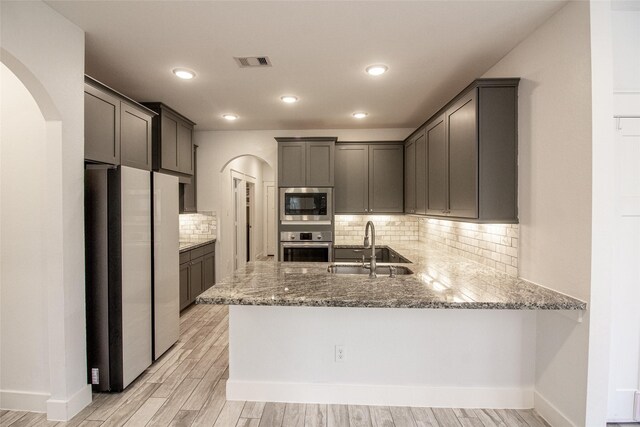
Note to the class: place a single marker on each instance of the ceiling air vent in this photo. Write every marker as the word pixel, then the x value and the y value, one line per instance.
pixel 253 61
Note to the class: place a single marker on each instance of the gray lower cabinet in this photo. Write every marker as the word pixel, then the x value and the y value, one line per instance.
pixel 306 162
pixel 368 178
pixel 117 129
pixel 197 273
pixel 470 153
pixel 172 141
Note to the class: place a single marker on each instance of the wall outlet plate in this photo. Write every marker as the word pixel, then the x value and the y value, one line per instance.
pixel 340 353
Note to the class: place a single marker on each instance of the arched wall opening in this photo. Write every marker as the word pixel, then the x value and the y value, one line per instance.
pixel 30 130
pixel 243 184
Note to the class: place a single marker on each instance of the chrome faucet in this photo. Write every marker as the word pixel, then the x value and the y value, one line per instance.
pixel 372 262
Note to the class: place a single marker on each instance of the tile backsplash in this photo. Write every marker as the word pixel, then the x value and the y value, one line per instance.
pixel 198 227
pixel 389 228
pixel 494 245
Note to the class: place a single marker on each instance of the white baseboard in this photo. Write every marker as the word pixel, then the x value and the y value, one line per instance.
pixel 443 397
pixel 23 401
pixel 64 410
pixel 550 413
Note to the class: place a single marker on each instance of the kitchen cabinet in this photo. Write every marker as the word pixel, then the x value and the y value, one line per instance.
pixel 197 273
pixel 410 177
pixel 368 178
pixel 470 152
pixel 117 129
pixel 306 162
pixel 188 192
pixel 436 161
pixel 172 141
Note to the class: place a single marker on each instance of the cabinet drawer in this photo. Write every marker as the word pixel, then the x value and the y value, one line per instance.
pixel 185 257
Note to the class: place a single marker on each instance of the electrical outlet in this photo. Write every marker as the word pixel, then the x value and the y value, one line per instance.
pixel 340 353
pixel 95 376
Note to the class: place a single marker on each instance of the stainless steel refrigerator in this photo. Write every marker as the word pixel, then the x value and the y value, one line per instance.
pixel 132 272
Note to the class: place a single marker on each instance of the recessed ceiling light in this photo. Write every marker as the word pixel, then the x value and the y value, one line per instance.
pixel 289 99
pixel 184 74
pixel 230 117
pixel 360 115
pixel 376 70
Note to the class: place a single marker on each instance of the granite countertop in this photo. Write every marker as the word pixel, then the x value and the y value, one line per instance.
pixel 187 246
pixel 440 280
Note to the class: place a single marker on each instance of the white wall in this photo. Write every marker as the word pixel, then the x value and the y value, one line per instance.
pixel 24 350
pixel 624 377
pixel 46 52
pixel 555 196
pixel 216 149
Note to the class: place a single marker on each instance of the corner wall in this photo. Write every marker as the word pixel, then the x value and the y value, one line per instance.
pixel 555 196
pixel 46 52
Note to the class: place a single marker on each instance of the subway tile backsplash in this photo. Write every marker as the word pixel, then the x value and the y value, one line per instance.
pixel 198 227
pixel 389 228
pixel 494 245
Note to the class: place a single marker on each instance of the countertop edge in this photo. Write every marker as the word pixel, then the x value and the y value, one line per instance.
pixel 197 245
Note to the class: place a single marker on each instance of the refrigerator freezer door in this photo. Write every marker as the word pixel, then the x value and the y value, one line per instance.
pixel 166 289
pixel 136 272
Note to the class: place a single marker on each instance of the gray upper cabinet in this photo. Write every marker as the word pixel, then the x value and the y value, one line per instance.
pixel 320 164
pixel 306 162
pixel 471 154
pixel 436 160
pixel 368 178
pixel 102 126
pixel 352 178
pixel 463 157
pixel 421 173
pixel 117 129
pixel 410 177
pixel 172 141
pixel 188 192
pixel 385 178
pixel 135 137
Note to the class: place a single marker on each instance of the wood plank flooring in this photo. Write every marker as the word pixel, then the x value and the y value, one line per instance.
pixel 186 388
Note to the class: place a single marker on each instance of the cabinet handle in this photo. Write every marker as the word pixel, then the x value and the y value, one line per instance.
pixel 366 210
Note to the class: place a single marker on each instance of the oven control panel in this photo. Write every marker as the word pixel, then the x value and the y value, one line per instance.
pixel 306 236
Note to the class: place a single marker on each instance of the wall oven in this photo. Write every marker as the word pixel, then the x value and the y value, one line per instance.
pixel 314 246
pixel 306 206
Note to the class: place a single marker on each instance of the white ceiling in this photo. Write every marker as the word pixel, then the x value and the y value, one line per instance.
pixel 318 49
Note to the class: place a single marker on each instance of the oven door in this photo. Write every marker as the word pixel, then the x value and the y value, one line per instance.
pixel 306 251
pixel 306 206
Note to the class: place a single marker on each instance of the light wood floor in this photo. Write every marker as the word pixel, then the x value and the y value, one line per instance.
pixel 186 387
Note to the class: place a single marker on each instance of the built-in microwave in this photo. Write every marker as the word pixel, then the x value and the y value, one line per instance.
pixel 305 205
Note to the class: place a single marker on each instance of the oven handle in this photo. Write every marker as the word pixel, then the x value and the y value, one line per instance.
pixel 306 244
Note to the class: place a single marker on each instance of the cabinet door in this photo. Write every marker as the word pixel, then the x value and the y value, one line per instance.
pixel 188 196
pixel 462 130
pixel 184 286
pixel 421 172
pixel 385 178
pixel 319 164
pixel 101 126
pixel 135 137
pixel 291 164
pixel 185 148
pixel 352 178
pixel 436 143
pixel 410 178
pixel 209 270
pixel 169 142
pixel 196 279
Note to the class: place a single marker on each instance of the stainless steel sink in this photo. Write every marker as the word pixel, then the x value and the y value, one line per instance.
pixel 381 270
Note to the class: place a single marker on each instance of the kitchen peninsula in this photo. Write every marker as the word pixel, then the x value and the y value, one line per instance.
pixel 453 334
